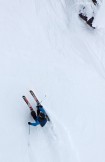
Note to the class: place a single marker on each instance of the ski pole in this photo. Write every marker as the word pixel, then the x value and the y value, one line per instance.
pixel 29 129
pixel 29 137
pixel 43 99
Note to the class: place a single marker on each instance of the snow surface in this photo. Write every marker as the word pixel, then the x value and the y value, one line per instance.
pixel 45 47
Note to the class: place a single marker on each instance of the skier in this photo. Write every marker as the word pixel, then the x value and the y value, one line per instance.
pixel 85 18
pixel 41 118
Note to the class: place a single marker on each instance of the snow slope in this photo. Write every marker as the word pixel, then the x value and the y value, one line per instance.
pixel 45 47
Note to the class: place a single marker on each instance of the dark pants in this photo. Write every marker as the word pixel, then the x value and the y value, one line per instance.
pixel 33 114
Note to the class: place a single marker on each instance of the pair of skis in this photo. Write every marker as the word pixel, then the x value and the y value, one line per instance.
pixel 28 103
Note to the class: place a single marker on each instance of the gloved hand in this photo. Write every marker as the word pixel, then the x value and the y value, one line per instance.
pixel 29 123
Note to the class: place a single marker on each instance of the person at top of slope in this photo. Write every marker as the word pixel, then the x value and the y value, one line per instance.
pixel 83 15
pixel 40 117
pixel 85 18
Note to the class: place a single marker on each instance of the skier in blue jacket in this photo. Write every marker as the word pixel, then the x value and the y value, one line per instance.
pixel 41 118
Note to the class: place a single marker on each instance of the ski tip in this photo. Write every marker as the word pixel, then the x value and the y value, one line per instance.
pixel 23 96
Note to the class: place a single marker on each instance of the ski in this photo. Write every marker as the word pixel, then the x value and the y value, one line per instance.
pixel 34 96
pixel 28 103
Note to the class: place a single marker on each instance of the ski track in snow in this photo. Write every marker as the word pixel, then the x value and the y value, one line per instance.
pixel 52 140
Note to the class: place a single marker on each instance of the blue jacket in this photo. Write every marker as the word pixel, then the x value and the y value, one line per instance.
pixel 40 121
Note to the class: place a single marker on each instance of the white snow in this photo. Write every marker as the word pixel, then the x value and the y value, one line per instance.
pixel 44 46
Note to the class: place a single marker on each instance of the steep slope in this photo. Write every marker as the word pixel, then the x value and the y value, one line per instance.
pixel 45 47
